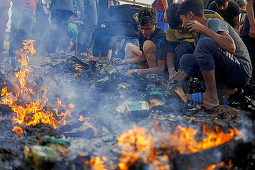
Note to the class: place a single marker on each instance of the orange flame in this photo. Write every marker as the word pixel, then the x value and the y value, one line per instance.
pixel 227 165
pixel 82 118
pixel 18 130
pixel 184 141
pixel 34 108
pixel 138 145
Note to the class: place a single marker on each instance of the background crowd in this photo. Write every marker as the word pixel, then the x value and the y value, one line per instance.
pixel 103 28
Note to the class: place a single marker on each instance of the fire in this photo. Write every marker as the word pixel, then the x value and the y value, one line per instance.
pixel 18 130
pixel 30 106
pixel 227 165
pixel 184 141
pixel 97 164
pixel 139 146
pixel 82 118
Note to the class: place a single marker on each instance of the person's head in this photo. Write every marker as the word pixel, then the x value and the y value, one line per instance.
pixel 173 17
pixel 222 4
pixel 241 4
pixel 147 21
pixel 190 9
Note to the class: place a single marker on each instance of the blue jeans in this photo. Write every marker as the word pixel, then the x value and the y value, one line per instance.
pixel 209 56
pixel 161 24
pixel 90 23
pixel 21 29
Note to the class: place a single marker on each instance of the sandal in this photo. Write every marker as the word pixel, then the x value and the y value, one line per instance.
pixel 197 98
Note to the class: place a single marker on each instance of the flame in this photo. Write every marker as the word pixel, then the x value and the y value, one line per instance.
pixel 18 130
pixel 97 164
pixel 82 118
pixel 183 139
pixel 227 165
pixel 30 106
pixel 138 145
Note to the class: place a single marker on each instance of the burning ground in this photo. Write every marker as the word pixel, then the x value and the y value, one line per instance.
pixel 61 113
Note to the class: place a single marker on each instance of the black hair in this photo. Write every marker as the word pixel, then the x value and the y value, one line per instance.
pixel 241 3
pixel 195 6
pixel 173 17
pixel 220 2
pixel 147 15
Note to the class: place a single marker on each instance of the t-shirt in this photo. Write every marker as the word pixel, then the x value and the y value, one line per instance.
pixel 24 5
pixel 159 38
pixel 123 20
pixel 229 13
pixel 173 37
pixel 246 26
pixel 241 52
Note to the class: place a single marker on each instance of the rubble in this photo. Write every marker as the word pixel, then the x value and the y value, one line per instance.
pixel 106 105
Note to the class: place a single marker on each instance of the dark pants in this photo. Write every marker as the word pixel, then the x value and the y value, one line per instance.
pixel 59 34
pixel 250 44
pixel 21 29
pixel 90 23
pixel 181 49
pixel 209 56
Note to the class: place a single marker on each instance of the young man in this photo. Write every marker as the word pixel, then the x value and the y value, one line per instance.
pixel 179 42
pixel 220 54
pixel 228 9
pixel 249 31
pixel 151 45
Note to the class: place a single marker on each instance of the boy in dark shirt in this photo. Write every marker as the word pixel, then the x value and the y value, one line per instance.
pixel 228 9
pixel 151 45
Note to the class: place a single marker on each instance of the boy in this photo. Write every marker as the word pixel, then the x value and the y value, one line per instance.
pixel 180 42
pixel 228 9
pixel 220 54
pixel 249 31
pixel 151 45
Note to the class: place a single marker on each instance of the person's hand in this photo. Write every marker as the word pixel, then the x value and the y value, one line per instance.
pixel 129 73
pixel 117 61
pixel 165 18
pixel 252 31
pixel 195 26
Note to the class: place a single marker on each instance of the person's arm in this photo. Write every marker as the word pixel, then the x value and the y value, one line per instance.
pixel 223 39
pixel 165 5
pixel 110 3
pixel 236 22
pixel 170 65
pixel 250 15
pixel 158 69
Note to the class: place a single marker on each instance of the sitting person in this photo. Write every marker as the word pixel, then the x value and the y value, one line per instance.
pixel 151 50
pixel 228 9
pixel 220 54
pixel 180 42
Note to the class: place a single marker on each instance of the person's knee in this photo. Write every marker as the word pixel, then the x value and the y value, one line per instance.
pixel 205 43
pixel 149 46
pixel 128 49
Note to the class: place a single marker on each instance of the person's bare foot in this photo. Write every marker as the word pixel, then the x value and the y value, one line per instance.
pixel 229 92
pixel 207 100
pixel 210 100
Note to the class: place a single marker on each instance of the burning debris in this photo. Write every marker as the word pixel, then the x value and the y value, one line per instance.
pixel 74 115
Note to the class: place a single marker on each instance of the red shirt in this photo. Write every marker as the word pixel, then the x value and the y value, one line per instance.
pixel 24 5
pixel 159 6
